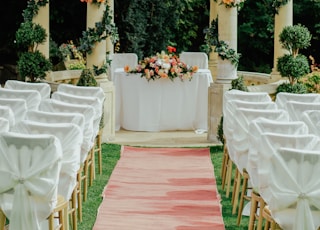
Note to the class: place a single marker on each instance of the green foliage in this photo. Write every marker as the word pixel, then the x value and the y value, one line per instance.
pixel 33 9
pixel 294 38
pixel 33 65
pixel 293 67
pixel 297 88
pixel 311 82
pixel 102 30
pixel 87 78
pixel 276 4
pixel 220 136
pixel 29 35
pixel 238 84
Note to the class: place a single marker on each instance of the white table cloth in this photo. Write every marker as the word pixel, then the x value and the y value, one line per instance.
pixel 161 105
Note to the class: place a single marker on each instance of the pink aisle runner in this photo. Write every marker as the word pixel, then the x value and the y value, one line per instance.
pixel 161 189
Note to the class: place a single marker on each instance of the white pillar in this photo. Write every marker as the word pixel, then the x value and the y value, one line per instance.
pixel 226 72
pixel 283 18
pixel 98 55
pixel 228 27
pixel 109 44
pixel 42 18
pixel 213 56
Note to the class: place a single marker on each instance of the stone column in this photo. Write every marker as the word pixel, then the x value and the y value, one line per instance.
pixel 98 55
pixel 282 19
pixel 226 72
pixel 42 18
pixel 109 44
pixel 213 56
pixel 97 58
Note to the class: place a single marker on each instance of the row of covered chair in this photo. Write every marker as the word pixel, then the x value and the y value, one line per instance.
pixel 270 143
pixel 72 115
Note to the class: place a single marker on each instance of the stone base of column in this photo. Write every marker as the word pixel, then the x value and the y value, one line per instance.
pixel 215 102
pixel 213 67
pixel 109 109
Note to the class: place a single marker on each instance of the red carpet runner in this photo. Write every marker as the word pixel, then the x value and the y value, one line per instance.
pixel 161 189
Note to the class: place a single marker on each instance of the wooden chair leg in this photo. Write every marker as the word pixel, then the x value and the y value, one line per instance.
pixel 253 211
pixel 79 194
pixel 262 204
pixel 60 212
pixel 236 191
pixel 224 166
pixel 229 177
pixel 73 209
pixel 243 195
pixel 98 149
pixel 2 220
pixel 92 167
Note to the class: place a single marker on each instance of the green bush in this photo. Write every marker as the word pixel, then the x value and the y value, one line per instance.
pixel 289 88
pixel 311 82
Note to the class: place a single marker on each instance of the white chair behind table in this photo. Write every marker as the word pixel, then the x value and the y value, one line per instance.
pixel 296 109
pixel 199 59
pixel 311 119
pixel 7 113
pixel 29 176
pixel 282 98
pixel 43 88
pixel 32 97
pixel 120 60
pixel 51 105
pixel 17 106
pixel 289 179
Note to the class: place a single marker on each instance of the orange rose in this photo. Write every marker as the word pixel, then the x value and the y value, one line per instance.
pixel 126 69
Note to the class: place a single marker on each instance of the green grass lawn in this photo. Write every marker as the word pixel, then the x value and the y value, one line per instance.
pixel 111 154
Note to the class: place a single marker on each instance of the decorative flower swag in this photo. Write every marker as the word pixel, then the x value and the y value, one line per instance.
pixel 232 3
pixel 221 47
pixel 163 65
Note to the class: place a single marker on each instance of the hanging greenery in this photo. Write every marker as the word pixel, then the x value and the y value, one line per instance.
pixel 221 47
pixel 276 4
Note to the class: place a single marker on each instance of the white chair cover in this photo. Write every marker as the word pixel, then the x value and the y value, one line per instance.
pixel 43 88
pixel 32 97
pixel 57 117
pixel 312 119
pixel 51 105
pixel 17 106
pixel 86 91
pixel 262 125
pixel 7 113
pixel 4 125
pixel 120 60
pixel 293 188
pixel 70 137
pixel 199 59
pixel 83 100
pixel 296 109
pixel 240 137
pixel 282 98
pixel 29 175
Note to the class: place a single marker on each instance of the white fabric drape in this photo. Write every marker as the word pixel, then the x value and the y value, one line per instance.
pixel 18 107
pixel 282 98
pixel 311 118
pixel 296 109
pixel 262 125
pixel 70 137
pixel 43 88
pixel 29 174
pixel 120 60
pixel 293 189
pixel 7 113
pixel 32 97
pixel 51 105
pixel 4 125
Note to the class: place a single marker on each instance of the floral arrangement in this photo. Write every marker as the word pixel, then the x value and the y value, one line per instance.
pixel 94 1
pixel 163 65
pixel 232 3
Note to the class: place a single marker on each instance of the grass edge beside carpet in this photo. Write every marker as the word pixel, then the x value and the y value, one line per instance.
pixel 110 157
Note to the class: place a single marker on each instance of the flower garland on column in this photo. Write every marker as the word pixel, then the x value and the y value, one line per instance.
pixel 232 3
pixel 101 31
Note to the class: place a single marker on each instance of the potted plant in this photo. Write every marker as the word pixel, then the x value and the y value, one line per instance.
pixel 32 64
pixel 293 65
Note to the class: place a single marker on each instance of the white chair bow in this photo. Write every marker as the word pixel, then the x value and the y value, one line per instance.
pixel 29 175
pixel 70 137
